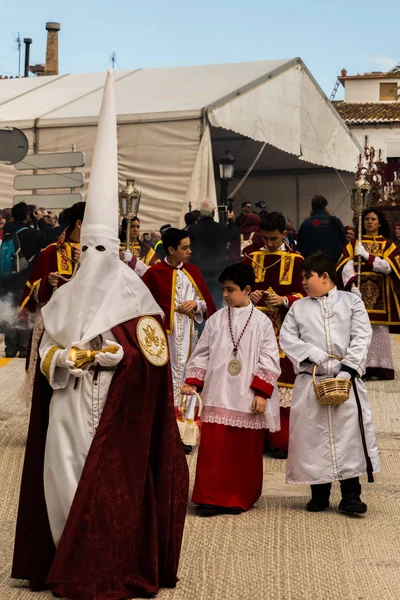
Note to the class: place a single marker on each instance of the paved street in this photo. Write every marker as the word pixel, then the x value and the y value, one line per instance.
pixel 276 551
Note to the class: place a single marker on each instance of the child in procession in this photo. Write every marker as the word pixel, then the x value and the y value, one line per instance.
pixel 329 443
pixel 235 365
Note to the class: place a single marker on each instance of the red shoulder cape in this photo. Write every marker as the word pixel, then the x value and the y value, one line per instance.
pixel 160 279
pixel 123 535
pixel 56 257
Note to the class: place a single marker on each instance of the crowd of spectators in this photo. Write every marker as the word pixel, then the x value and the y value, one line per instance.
pixel 214 245
pixel 30 230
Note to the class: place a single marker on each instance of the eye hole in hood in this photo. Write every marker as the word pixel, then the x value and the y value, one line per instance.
pixel 100 248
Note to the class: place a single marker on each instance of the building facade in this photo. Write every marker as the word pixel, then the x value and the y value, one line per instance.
pixel 371 107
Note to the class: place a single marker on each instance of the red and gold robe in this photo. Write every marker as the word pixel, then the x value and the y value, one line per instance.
pixel 278 271
pixel 57 257
pixel 378 290
pixel 143 252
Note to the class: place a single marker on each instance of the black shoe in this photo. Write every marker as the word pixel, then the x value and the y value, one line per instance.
pixel 206 510
pixel 8 355
pixel 22 355
pixel 187 448
pixel 230 510
pixel 352 503
pixel 279 454
pixel 317 505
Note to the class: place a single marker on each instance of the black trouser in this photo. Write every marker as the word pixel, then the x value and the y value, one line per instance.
pixel 16 340
pixel 16 332
pixel 321 491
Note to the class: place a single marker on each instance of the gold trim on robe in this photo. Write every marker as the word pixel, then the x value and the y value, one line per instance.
pixel 46 366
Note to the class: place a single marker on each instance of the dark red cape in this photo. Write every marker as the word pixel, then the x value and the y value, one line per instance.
pixel 123 535
pixel 159 279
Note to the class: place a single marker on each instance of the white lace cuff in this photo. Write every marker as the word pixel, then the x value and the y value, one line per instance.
pixel 195 373
pixel 265 375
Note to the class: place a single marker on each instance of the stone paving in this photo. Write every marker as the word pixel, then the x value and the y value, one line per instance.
pixel 276 551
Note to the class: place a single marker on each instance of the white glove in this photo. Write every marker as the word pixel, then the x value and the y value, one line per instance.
pixel 63 360
pixel 343 375
pixel 355 290
pixel 361 251
pixel 108 359
pixel 318 357
pixel 127 256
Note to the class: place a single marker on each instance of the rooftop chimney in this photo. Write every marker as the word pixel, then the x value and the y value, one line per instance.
pixel 51 67
pixel 27 42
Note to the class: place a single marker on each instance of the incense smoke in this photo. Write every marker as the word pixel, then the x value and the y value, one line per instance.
pixel 10 317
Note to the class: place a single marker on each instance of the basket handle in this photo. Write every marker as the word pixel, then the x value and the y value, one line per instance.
pixel 198 400
pixel 315 367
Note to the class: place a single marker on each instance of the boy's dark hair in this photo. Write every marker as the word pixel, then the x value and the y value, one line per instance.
pixel 319 263
pixel 240 274
pixel 318 203
pixel 172 238
pixel 273 221
pixel 20 211
pixel 75 213
pixel 244 204
pixel 191 218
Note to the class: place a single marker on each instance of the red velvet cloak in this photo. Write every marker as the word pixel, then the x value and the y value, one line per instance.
pixel 123 535
pixel 161 278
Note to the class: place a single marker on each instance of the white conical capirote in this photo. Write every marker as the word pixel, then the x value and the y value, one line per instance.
pixel 102 201
pixel 105 291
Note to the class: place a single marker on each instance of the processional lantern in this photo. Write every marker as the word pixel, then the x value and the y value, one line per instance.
pixel 361 193
pixel 129 201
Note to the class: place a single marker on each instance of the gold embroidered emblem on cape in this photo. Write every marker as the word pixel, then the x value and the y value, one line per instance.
pixel 152 341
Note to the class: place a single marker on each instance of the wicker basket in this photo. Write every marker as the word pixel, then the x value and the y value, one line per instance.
pixel 189 430
pixel 331 391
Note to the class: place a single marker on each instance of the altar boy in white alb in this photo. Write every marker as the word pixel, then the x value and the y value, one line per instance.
pixel 328 443
pixel 236 364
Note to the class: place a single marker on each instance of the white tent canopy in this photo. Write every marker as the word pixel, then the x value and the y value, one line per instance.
pixel 169 121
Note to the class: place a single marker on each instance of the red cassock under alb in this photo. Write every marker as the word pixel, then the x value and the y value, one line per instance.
pixel 229 466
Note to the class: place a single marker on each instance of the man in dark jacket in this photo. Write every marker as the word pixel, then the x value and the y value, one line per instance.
pixel 321 231
pixel 208 242
pixel 31 242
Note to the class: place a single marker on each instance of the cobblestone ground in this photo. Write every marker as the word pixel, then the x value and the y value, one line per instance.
pixel 276 551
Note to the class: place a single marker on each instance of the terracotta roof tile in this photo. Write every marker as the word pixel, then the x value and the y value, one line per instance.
pixel 368 112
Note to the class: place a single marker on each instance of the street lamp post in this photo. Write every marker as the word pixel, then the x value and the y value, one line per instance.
pixel 226 171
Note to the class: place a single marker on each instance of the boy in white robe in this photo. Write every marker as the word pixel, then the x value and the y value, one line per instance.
pixel 236 365
pixel 179 288
pixel 329 443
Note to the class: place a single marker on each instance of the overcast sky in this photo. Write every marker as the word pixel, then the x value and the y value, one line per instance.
pixel 161 33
